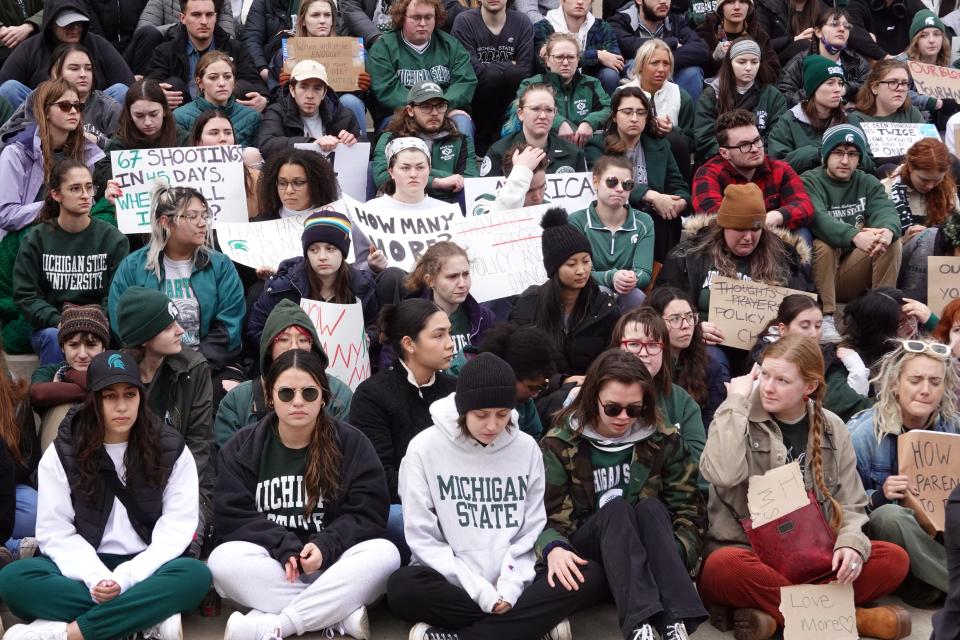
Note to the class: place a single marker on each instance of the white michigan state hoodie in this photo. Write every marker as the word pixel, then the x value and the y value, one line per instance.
pixel 473 512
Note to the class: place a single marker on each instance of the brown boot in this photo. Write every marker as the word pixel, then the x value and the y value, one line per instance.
pixel 885 622
pixel 753 624
pixel 721 617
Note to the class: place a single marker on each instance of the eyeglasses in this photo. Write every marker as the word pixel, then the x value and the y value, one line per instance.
pixel 613 410
pixel 434 107
pixel 613 181
pixel 747 147
pixel 78 190
pixel 426 18
pixel 633 113
pixel 66 106
pixel 676 320
pixel 561 59
pixel 836 24
pixel 296 185
pixel 893 85
pixel 196 217
pixel 845 153
pixel 540 110
pixel 287 394
pixel 637 347
pixel 919 346
pixel 536 389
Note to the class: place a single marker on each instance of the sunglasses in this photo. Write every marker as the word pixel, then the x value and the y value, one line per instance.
pixel 612 409
pixel 66 106
pixel 919 346
pixel 287 394
pixel 613 181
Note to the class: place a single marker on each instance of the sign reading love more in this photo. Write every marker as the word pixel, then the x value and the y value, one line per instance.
pixel 935 81
pixel 217 172
pixel 343 337
pixel 891 139
pixel 776 493
pixel 341 57
pixel 572 191
pixel 818 611
pixel 931 460
pixel 504 249
pixel 943 282
pixel 741 308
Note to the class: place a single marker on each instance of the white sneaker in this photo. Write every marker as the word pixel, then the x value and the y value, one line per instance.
pixel 560 632
pixel 676 631
pixel 37 630
pixel 169 629
pixel 256 625
pixel 828 330
pixel 357 624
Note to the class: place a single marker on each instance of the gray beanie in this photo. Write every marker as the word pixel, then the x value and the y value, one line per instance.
pixel 742 46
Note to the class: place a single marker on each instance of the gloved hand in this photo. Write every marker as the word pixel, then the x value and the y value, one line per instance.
pixel 363 81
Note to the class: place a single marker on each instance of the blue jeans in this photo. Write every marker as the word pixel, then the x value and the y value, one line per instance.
pixel 395 535
pixel 359 109
pixel 690 79
pixel 16 92
pixel 117 91
pixel 45 345
pixel 25 523
pixel 609 79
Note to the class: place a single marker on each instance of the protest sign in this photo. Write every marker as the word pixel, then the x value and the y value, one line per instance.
pixel 350 165
pixel 341 57
pixel 402 234
pixel 741 308
pixel 504 250
pixel 776 493
pixel 572 191
pixel 931 460
pixel 343 337
pixel 935 81
pixel 818 611
pixel 217 172
pixel 943 282
pixel 890 139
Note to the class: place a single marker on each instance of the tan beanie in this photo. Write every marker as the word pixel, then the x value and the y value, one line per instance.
pixel 742 207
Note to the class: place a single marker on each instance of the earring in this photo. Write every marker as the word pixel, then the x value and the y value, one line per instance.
pixel 806 398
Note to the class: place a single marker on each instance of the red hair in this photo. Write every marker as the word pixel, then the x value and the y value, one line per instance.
pixel 949 317
pixel 929 154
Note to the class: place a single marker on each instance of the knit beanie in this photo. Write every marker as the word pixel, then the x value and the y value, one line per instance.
pixel 327 226
pixel 817 70
pixel 742 207
pixel 720 4
pixel 922 20
pixel 560 240
pixel 88 318
pixel 142 314
pixel 486 382
pixel 743 46
pixel 843 134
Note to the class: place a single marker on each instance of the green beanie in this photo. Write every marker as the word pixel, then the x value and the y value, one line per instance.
pixel 843 134
pixel 816 71
pixel 924 19
pixel 142 314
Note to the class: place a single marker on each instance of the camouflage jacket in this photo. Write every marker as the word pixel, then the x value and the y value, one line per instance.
pixel 661 468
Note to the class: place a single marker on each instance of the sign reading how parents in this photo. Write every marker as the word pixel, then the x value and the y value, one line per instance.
pixel 217 172
pixel 889 139
pixel 741 308
pixel 818 611
pixel 402 234
pixel 934 81
pixel 343 337
pixel 931 461
pixel 572 191
pixel 341 57
pixel 943 282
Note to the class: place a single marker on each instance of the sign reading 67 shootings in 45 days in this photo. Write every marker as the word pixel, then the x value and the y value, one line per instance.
pixel 217 172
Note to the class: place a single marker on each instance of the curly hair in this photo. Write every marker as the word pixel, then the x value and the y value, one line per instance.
pixel 431 264
pixel 321 180
pixel 732 119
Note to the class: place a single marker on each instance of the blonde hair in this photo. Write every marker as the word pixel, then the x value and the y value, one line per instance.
pixel 943 56
pixel 171 202
pixel 645 52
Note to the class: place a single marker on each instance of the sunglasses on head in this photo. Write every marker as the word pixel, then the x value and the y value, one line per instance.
pixel 920 346
pixel 287 394
pixel 612 410
pixel 613 181
pixel 66 106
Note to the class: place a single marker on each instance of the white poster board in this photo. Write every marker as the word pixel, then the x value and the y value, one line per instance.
pixel 343 338
pixel 892 139
pixel 572 191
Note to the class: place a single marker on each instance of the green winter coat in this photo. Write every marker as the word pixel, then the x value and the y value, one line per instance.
pixel 449 154
pixel 630 247
pixel 663 173
pixel 842 209
pixel 245 121
pixel 582 100
pixel 562 156
pixel 794 140
pixel 765 101
pixel 680 410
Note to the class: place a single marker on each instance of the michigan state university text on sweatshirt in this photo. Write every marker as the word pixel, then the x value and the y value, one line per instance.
pixel 473 512
pixel 843 207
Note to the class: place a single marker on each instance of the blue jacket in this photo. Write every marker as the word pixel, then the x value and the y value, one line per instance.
pixel 217 287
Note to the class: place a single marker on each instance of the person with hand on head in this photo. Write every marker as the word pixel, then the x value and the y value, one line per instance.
pixel 882 29
pixel 300 504
pixel 112 549
pixel 526 183
pixel 764 426
pixel 790 25
pixel 875 319
pixel 916 387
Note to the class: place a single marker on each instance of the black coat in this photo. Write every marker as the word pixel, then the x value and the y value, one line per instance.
pixel 856 68
pixel 115 20
pixel 890 24
pixel 265 20
pixel 282 126
pixel 358 513
pixel 13 473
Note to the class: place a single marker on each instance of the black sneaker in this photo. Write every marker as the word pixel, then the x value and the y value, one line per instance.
pixel 645 631
pixel 423 631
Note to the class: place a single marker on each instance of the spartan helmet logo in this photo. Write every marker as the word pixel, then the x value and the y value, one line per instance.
pixel 431 86
pixel 116 362
pixel 848 138
pixel 929 22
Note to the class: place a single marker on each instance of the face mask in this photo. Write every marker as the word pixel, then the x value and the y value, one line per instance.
pixel 832 50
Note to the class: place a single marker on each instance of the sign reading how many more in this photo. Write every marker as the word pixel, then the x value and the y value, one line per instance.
pixel 343 337
pixel 741 308
pixel 943 282
pixel 931 461
pixel 572 191
pixel 217 172
pixel 341 57
pixel 893 139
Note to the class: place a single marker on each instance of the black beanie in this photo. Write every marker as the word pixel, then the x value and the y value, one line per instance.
pixel 486 382
pixel 560 240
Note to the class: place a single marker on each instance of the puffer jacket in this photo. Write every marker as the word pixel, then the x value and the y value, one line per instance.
pixel 282 125
pixel 164 14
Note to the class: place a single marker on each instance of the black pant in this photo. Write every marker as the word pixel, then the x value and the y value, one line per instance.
pixel 420 594
pixel 496 88
pixel 666 235
pixel 644 571
pixel 946 622
pixel 140 49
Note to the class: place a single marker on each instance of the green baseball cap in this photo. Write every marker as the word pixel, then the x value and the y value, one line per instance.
pixel 424 92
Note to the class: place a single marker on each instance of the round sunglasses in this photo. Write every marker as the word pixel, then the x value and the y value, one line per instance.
pixel 613 409
pixel 613 181
pixel 287 394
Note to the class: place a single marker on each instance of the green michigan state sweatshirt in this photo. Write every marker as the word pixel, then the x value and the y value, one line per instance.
pixel 843 208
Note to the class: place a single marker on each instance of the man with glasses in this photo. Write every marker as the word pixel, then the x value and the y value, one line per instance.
pixel 425 116
pixel 741 159
pixel 855 225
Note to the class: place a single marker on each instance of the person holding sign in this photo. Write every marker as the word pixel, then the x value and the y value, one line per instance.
pixel 930 44
pixel 294 183
pixel 915 390
pixel 765 426
pixel 621 238
pixel 301 505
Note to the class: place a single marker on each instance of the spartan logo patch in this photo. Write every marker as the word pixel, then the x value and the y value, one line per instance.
pixel 581 107
pixel 761 120
pixel 431 86
pixel 564 170
pixel 446 152
pixel 848 138
pixel 485 166
pixel 929 22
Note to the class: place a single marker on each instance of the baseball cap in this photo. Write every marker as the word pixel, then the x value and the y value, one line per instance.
pixel 113 367
pixel 306 69
pixel 69 17
pixel 424 91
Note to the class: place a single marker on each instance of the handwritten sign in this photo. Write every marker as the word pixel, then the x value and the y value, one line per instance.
pixel 504 249
pixel 931 460
pixel 572 191
pixel 343 338
pixel 349 165
pixel 217 172
pixel 402 234
pixel 742 308
pixel 943 282
pixel 935 81
pixel 776 493
pixel 890 139
pixel 341 57
pixel 818 611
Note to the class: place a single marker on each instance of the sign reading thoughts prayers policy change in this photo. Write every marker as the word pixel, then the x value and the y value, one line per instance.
pixel 341 57
pixel 931 460
pixel 890 139
pixel 343 338
pixel 943 282
pixel 741 308
pixel 818 612
pixel 217 172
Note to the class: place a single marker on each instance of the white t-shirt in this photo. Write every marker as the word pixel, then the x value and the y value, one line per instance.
pixel 312 126
pixel 176 285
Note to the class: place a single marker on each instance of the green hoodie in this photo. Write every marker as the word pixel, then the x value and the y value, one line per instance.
pixel 243 406
pixel 770 106
pixel 628 248
pixel 446 150
pixel 682 412
pixel 841 209
pixel 583 100
pixel 907 116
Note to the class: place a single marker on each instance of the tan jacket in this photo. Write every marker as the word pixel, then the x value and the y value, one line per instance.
pixel 744 441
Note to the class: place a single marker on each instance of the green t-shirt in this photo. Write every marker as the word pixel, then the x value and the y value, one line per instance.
pixel 795 438
pixel 611 469
pixel 703 301
pixel 459 329
pixel 280 494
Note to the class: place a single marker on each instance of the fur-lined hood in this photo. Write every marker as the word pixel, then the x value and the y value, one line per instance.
pixel 697 224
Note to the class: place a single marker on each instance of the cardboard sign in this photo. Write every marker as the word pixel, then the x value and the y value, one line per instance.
pixel 572 191
pixel 943 282
pixel 931 460
pixel 741 308
pixel 217 172
pixel 935 81
pixel 343 338
pixel 776 493
pixel 504 249
pixel 341 57
pixel 891 139
pixel 818 611
pixel 402 234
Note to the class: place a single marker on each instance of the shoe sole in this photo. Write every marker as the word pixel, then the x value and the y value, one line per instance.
pixel 561 632
pixel 745 627
pixel 364 626
pixel 721 617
